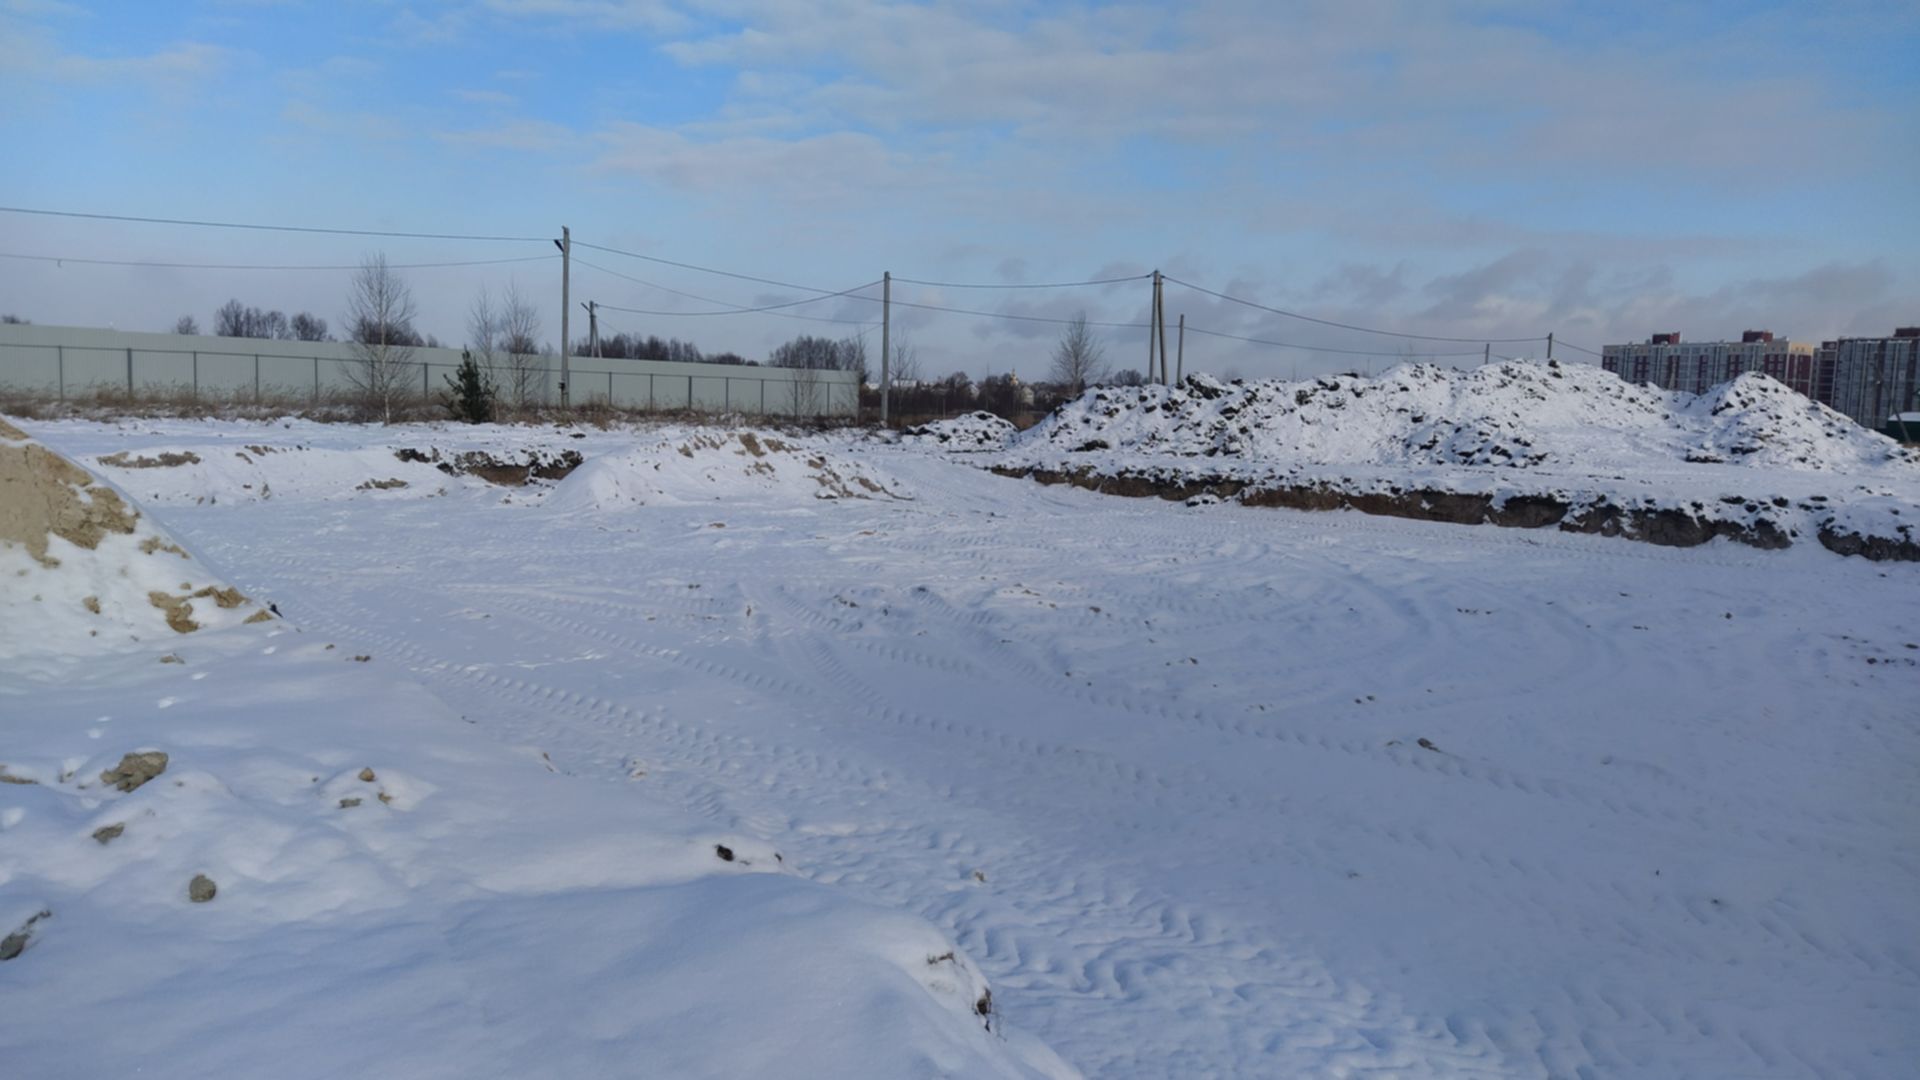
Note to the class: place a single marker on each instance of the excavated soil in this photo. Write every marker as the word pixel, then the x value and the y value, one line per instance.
pixel 505 471
pixel 43 495
pixel 1668 527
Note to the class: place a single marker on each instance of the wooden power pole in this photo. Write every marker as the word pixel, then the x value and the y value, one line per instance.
pixel 593 328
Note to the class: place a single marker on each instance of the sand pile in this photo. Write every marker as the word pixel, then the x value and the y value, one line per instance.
pixel 81 569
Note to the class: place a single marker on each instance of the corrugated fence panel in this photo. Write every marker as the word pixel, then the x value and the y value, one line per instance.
pixel 74 361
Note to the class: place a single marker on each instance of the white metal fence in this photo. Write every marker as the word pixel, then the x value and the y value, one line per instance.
pixel 77 362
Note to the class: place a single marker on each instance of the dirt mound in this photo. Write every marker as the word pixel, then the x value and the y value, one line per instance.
pixel 1508 415
pixel 509 470
pixel 43 495
pixel 971 431
pixel 704 465
pixel 81 569
pixel 1516 444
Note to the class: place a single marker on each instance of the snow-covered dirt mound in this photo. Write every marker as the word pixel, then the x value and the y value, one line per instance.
pixel 1758 421
pixel 1516 415
pixel 204 474
pixel 225 842
pixel 1518 444
pixel 685 466
pixel 970 431
pixel 81 569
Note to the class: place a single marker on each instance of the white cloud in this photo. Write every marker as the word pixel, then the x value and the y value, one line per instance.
pixel 529 136
pixel 611 14
pixel 486 97
pixel 833 166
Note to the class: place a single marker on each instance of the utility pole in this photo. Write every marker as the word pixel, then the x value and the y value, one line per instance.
pixel 1549 348
pixel 1153 305
pixel 593 327
pixel 1160 325
pixel 1487 358
pixel 886 345
pixel 566 265
pixel 1180 352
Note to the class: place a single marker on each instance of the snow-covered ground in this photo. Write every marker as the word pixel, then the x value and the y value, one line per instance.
pixel 1201 791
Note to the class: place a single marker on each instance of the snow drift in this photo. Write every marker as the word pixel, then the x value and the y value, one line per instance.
pixel 239 844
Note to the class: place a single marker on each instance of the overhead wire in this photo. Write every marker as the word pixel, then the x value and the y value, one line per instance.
pixel 699 268
pixel 1347 326
pixel 1008 315
pixel 1029 285
pixel 1192 329
pixel 773 310
pixel 746 310
pixel 272 228
pixel 260 266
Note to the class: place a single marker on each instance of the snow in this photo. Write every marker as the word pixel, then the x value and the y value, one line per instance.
pixel 1750 457
pixel 396 894
pixel 679 466
pixel 1513 415
pixel 1211 790
pixel 969 431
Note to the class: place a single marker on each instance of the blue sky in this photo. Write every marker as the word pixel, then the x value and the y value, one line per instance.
pixel 1476 169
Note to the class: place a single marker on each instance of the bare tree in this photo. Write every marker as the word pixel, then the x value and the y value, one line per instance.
pixel 517 326
pixel 483 335
pixel 380 314
pixel 14 320
pixel 235 319
pixel 808 353
pixel 309 327
pixel 231 320
pixel 803 392
pixel 1078 359
pixel 186 325
pixel 905 364
pixel 851 355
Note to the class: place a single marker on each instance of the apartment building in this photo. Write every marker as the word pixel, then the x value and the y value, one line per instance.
pixel 1870 378
pixel 1672 364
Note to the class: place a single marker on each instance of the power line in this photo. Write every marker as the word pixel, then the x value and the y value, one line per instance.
pixel 1034 285
pixel 1192 329
pixel 256 266
pixel 1350 326
pixel 1580 348
pixel 702 269
pixel 1007 315
pixel 270 228
pixel 747 310
pixel 707 299
pixel 852 294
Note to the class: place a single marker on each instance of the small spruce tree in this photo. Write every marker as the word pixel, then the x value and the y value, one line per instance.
pixel 471 393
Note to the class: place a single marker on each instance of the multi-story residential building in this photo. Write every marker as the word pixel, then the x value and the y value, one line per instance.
pixel 1871 379
pixel 1671 364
